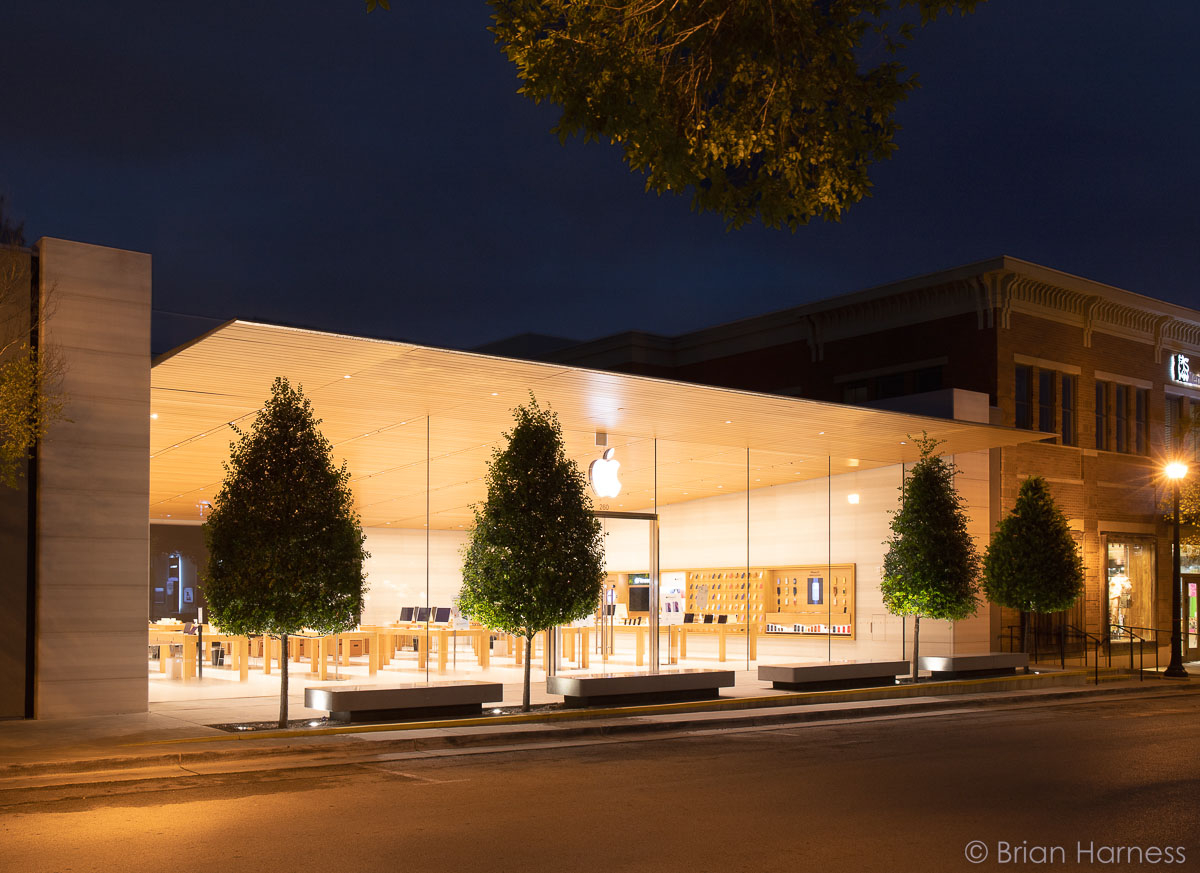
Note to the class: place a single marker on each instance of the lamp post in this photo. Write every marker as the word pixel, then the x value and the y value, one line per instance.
pixel 1176 471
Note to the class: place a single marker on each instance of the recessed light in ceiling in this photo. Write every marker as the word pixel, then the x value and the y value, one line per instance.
pixel 347 376
pixel 154 415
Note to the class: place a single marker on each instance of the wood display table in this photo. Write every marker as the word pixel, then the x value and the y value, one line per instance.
pixel 373 702
pixel 238 647
pixel 973 666
pixel 822 675
pixel 603 689
pixel 722 631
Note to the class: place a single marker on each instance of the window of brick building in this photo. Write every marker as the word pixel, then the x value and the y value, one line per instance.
pixel 1121 415
pixel 1046 400
pixel 1021 391
pixel 1130 574
pixel 928 379
pixel 1102 416
pixel 1173 419
pixel 856 392
pixel 1068 410
pixel 891 385
pixel 1141 401
pixel 1175 415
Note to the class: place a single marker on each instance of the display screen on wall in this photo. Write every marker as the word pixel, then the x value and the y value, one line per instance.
pixel 639 598
pixel 816 590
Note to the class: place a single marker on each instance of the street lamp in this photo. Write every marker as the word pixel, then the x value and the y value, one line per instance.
pixel 1176 471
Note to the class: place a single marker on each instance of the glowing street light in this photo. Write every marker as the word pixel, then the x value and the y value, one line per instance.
pixel 1176 471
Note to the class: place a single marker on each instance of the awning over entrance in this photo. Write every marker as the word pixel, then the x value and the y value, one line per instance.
pixel 399 413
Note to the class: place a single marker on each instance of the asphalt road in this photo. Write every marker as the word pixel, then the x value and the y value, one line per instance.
pixel 888 794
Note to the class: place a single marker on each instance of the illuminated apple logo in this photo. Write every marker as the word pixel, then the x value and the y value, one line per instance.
pixel 603 475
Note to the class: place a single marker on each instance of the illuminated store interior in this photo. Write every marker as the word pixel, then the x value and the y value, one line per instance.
pixel 747 529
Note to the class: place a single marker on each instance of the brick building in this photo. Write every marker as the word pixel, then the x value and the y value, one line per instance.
pixel 1102 371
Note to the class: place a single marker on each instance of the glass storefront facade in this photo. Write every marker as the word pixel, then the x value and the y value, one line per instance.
pixel 748 529
pixel 754 556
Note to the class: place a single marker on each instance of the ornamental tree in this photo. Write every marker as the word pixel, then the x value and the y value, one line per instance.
pixel 774 109
pixel 931 569
pixel 1033 563
pixel 31 371
pixel 535 559
pixel 285 548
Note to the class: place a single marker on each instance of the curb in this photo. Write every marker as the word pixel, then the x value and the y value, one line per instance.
pixel 613 722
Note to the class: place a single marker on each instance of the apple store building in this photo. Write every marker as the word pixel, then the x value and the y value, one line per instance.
pixel 740 529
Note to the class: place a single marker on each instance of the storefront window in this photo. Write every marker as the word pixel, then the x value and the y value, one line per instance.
pixel 1130 584
pixel 1189 559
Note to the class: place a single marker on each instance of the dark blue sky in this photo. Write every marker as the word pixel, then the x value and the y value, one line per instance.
pixel 305 163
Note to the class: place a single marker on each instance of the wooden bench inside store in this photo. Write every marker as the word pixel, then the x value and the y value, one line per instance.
pixel 380 703
pixel 974 666
pixel 829 675
pixel 607 689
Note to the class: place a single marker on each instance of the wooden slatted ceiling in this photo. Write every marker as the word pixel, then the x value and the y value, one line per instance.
pixel 377 401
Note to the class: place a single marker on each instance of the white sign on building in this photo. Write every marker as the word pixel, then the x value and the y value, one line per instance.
pixel 1180 370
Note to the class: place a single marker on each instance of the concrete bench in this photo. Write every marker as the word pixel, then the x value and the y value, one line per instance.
pixel 601 689
pixel 825 675
pixel 379 703
pixel 974 666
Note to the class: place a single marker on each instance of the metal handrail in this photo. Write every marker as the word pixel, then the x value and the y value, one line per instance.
pixel 1060 635
pixel 1122 628
pixel 1096 642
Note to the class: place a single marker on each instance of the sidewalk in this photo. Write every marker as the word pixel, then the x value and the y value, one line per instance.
pixel 161 742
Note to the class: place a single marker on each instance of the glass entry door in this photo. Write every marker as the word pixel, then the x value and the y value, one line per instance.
pixel 1191 637
pixel 632 588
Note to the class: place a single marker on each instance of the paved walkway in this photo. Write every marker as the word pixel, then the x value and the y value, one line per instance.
pixel 171 735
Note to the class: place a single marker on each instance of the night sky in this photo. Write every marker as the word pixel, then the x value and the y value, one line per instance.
pixel 305 163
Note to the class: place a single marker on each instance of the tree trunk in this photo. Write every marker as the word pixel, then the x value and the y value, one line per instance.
pixel 528 658
pixel 1026 621
pixel 916 677
pixel 283 679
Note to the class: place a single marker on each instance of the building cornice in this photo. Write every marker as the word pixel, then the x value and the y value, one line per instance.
pixel 992 290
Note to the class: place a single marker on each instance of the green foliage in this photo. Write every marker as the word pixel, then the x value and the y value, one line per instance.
pixel 1189 508
pixel 31 397
pixel 535 559
pixel 1185 447
pixel 285 546
pixel 931 569
pixel 1033 563
pixel 773 109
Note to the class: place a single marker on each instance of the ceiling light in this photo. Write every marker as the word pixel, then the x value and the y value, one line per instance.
pixel 852 498
pixel 820 433
pixel 154 416
pixel 729 421
pixel 495 394
pixel 347 376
